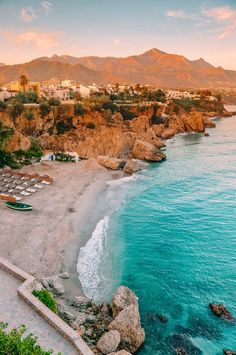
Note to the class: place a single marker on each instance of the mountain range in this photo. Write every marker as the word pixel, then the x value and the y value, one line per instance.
pixel 153 67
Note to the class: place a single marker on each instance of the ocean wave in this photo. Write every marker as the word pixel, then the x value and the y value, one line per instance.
pixel 122 180
pixel 90 260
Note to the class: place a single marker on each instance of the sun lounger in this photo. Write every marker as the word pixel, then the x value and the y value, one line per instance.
pixel 19 187
pixel 24 193
pixel 30 190
pixel 38 186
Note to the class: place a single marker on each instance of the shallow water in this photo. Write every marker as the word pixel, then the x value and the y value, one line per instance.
pixel 170 235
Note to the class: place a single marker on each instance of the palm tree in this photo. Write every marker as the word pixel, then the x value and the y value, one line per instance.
pixel 23 82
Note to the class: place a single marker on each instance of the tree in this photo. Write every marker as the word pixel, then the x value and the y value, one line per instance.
pixel 15 110
pixel 5 134
pixel 3 107
pixel 29 115
pixel 23 82
pixel 54 101
pixel 44 109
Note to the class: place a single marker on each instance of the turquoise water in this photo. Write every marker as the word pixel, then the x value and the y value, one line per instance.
pixel 170 235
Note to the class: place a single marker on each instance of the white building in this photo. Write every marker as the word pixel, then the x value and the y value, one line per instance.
pixel 84 91
pixel 7 94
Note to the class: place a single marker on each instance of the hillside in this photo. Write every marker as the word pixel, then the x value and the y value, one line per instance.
pixel 153 67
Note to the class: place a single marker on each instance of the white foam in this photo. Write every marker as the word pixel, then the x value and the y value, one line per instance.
pixel 90 260
pixel 122 180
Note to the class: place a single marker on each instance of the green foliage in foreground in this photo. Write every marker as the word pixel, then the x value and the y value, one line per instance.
pixel 15 342
pixel 46 298
pixel 21 157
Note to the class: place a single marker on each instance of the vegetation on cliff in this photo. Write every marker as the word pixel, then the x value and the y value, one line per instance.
pixel 16 342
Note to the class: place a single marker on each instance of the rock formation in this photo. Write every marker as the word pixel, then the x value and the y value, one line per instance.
pixel 145 151
pixel 109 342
pixel 122 298
pixel 111 163
pixel 127 323
pixel 220 311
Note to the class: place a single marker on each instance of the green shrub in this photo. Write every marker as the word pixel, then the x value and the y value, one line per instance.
pixel 7 159
pixel 15 109
pixel 91 125
pixel 16 343
pixel 46 298
pixel 44 109
pixel 5 134
pixel 127 114
pixel 78 109
pixel 54 101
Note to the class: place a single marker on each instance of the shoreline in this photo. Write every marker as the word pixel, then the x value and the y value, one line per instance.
pixel 37 241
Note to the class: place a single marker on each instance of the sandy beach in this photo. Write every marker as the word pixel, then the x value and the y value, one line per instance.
pixel 46 240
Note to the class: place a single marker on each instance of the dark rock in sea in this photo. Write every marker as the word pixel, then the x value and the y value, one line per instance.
pixel 201 327
pixel 229 352
pixel 206 134
pixel 162 318
pixel 181 341
pixel 180 351
pixel 220 311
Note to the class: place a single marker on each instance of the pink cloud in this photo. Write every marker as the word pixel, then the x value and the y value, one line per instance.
pixel 178 14
pixel 42 40
pixel 27 14
pixel 225 15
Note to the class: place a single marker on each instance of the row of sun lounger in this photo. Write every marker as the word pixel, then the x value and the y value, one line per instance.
pixel 19 185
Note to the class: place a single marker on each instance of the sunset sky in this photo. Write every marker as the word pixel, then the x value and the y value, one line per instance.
pixel 30 29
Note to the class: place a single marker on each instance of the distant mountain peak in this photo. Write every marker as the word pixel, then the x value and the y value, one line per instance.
pixel 153 52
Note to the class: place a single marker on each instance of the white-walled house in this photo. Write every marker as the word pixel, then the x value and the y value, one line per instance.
pixel 7 94
pixel 48 156
pixel 84 91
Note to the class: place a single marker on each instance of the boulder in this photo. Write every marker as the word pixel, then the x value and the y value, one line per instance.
pixel 122 298
pixel 206 134
pixel 52 284
pixel 146 151
pixel 110 163
pixel 168 133
pixel 109 342
pixel 67 316
pixel 131 167
pixel 208 123
pixel 80 301
pixel 81 319
pixel 193 121
pixel 127 323
pixel 220 311
pixel 64 275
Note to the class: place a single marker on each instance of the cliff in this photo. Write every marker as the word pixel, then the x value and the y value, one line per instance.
pixel 93 133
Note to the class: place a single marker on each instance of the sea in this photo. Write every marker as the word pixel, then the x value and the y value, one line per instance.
pixel 169 234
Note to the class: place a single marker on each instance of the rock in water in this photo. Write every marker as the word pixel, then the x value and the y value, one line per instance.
pixel 109 342
pixel 121 352
pixel 221 311
pixel 110 163
pixel 123 298
pixel 146 151
pixel 127 323
pixel 229 352
pixel 131 167
pixel 181 344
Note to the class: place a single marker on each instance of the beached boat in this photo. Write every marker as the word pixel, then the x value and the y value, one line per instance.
pixel 18 206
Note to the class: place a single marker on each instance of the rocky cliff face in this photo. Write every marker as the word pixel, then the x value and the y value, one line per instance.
pixel 91 135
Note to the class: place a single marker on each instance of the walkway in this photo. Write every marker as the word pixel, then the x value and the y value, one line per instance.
pixel 15 312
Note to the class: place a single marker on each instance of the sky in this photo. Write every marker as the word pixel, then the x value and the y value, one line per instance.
pixel 193 28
